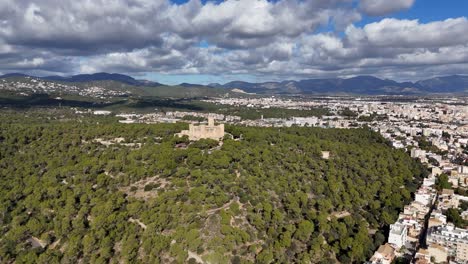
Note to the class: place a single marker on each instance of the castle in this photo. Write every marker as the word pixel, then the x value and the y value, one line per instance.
pixel 211 131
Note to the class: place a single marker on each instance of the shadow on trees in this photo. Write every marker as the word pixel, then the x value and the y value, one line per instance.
pixel 181 104
pixel 45 100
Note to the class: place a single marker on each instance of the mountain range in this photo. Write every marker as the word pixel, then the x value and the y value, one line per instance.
pixel 359 85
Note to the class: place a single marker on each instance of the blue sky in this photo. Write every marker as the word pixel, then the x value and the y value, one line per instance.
pixel 427 11
pixel 176 41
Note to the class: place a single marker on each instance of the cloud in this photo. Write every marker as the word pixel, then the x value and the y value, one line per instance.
pixel 83 26
pixel 390 45
pixel 267 39
pixel 410 33
pixel 383 7
pixel 103 26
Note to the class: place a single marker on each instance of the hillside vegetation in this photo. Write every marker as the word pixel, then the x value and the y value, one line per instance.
pixel 96 191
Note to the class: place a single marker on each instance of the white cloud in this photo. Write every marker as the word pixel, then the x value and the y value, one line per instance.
pixel 411 33
pixel 258 37
pixel 383 7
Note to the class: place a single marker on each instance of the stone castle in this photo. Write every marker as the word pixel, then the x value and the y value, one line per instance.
pixel 197 132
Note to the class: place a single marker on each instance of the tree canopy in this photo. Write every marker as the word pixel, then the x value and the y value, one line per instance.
pixel 268 197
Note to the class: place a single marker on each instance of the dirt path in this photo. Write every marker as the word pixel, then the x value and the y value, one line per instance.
pixel 212 211
pixel 137 221
pixel 36 242
pixel 339 215
pixel 196 257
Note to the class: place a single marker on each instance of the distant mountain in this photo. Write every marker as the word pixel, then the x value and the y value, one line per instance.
pixel 102 76
pixel 149 83
pixel 359 85
pixel 191 85
pixel 446 84
pixel 12 75
pixel 215 85
pixel 101 86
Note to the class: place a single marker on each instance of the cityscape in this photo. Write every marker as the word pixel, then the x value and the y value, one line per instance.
pixel 233 132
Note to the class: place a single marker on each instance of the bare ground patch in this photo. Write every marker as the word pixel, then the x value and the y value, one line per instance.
pixel 138 191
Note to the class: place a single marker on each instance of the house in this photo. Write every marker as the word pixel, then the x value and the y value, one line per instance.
pixel 425 196
pixel 416 209
pixel 414 229
pixel 384 255
pixel 437 219
pixel 418 153
pixel 422 256
pixel 436 171
pixel 448 199
pixel 429 181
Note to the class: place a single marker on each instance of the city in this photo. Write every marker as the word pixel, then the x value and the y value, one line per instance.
pixel 234 132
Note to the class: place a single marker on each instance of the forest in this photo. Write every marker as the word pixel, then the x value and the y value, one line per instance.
pixel 88 189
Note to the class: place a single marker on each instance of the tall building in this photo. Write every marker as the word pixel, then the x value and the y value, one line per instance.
pixel 462 252
pixel 455 239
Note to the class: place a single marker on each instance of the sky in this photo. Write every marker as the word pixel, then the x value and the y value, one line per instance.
pixel 200 41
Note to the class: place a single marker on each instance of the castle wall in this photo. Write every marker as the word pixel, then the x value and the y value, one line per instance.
pixel 210 131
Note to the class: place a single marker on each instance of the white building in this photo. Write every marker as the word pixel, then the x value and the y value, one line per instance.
pixel 102 112
pixel 450 237
pixel 418 153
pixel 436 171
pixel 425 196
pixel 305 121
pixel 463 169
pixel 429 181
pixel 398 234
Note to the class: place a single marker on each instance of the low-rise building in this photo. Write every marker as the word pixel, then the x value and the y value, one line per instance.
pixel 398 234
pixel 437 219
pixel 416 210
pixel 418 153
pixel 384 255
pixel 425 195
pixel 422 256
pixel 447 200
pixel 429 181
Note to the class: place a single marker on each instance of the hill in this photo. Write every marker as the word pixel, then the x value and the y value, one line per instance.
pixel 102 76
pixel 360 85
pixel 446 84
pixel 266 196
pixel 101 87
